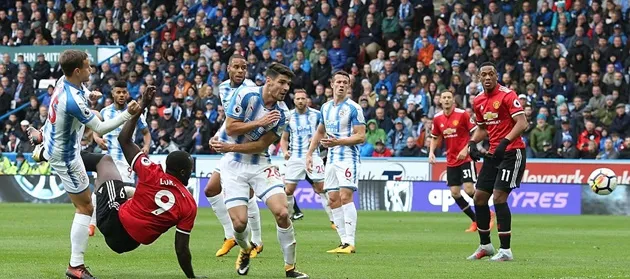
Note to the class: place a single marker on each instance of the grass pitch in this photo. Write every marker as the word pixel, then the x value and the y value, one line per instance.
pixel 34 243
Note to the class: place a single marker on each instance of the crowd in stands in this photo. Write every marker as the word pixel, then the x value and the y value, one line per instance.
pixel 568 61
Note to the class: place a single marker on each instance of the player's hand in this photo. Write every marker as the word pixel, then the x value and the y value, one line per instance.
pixel 268 119
pixel 95 96
pixel 145 150
pixel 431 158
pixel 133 108
pixel 475 154
pixel 34 135
pixel 499 152
pixel 147 95
pixel 462 154
pixel 287 155
pixel 309 163
pixel 330 141
pixel 219 146
pixel 101 143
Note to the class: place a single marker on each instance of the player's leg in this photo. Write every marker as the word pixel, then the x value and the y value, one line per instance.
pixel 331 186
pixel 253 215
pixel 294 173
pixel 347 175
pixel 289 189
pixel 215 197
pixel 510 174
pixel 110 196
pixel 485 185
pixel 317 176
pixel 270 190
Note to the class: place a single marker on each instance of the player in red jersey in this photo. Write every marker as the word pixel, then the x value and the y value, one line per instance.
pixel 500 116
pixel 454 125
pixel 161 200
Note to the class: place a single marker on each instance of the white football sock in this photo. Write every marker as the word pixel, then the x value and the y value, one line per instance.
pixel 93 219
pixel 350 217
pixel 218 206
pixel 291 202
pixel 242 239
pixel 338 217
pixel 253 216
pixel 79 238
pixel 286 237
pixel 324 201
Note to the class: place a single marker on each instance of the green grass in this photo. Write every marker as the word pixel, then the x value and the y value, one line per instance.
pixel 34 243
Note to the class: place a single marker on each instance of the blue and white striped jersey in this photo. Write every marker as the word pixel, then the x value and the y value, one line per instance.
pixel 339 121
pixel 301 129
pixel 111 138
pixel 67 115
pixel 247 105
pixel 227 91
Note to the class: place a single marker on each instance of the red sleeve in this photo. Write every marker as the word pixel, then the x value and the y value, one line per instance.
pixel 185 224
pixel 478 116
pixel 142 166
pixel 513 104
pixel 435 131
pixel 470 124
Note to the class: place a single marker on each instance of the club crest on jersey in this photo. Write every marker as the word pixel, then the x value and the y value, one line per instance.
pixel 455 122
pixel 342 112
pixel 496 104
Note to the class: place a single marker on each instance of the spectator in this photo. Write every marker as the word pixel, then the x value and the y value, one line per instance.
pixel 543 133
pixel 396 138
pixel 568 150
pixel 374 133
pixel 410 149
pixel 609 151
pixel 380 150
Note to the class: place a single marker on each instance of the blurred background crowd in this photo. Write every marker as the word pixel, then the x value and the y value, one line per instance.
pixel 568 61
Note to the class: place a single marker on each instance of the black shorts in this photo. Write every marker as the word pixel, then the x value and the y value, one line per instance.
pixel 109 197
pixel 503 175
pixel 466 172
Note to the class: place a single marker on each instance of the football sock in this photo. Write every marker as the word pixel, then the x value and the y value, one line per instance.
pixel 242 238
pixel 464 206
pixel 218 206
pixel 93 219
pixel 483 223
pixel 286 237
pixel 291 203
pixel 324 201
pixel 350 218
pixel 253 215
pixel 296 208
pixel 79 238
pixel 338 216
pixel 504 224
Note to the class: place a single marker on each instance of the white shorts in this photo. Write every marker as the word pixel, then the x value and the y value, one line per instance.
pixel 341 175
pixel 128 176
pixel 72 174
pixel 237 178
pixel 295 170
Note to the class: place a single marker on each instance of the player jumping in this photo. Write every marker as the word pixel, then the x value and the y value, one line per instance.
pixel 303 121
pixel 237 70
pixel 454 126
pixel 160 202
pixel 246 164
pixel 68 116
pixel 344 125
pixel 109 142
pixel 499 114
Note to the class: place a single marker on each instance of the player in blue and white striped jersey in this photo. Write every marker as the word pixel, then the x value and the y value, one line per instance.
pixel 344 126
pixel 237 70
pixel 68 115
pixel 303 122
pixel 246 165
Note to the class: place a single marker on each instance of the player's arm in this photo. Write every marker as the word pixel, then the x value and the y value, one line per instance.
pixel 97 138
pixel 284 143
pixel 518 115
pixel 87 117
pixel 253 147
pixel 235 121
pixel 358 136
pixel 129 148
pixel 182 249
pixel 317 137
pixel 146 140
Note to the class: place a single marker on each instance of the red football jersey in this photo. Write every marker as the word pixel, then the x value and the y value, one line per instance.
pixel 495 110
pixel 455 129
pixel 160 202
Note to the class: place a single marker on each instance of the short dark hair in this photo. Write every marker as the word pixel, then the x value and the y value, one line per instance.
pixel 484 64
pixel 340 72
pixel 120 83
pixel 70 60
pixel 300 90
pixel 236 56
pixel 277 69
pixel 177 161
